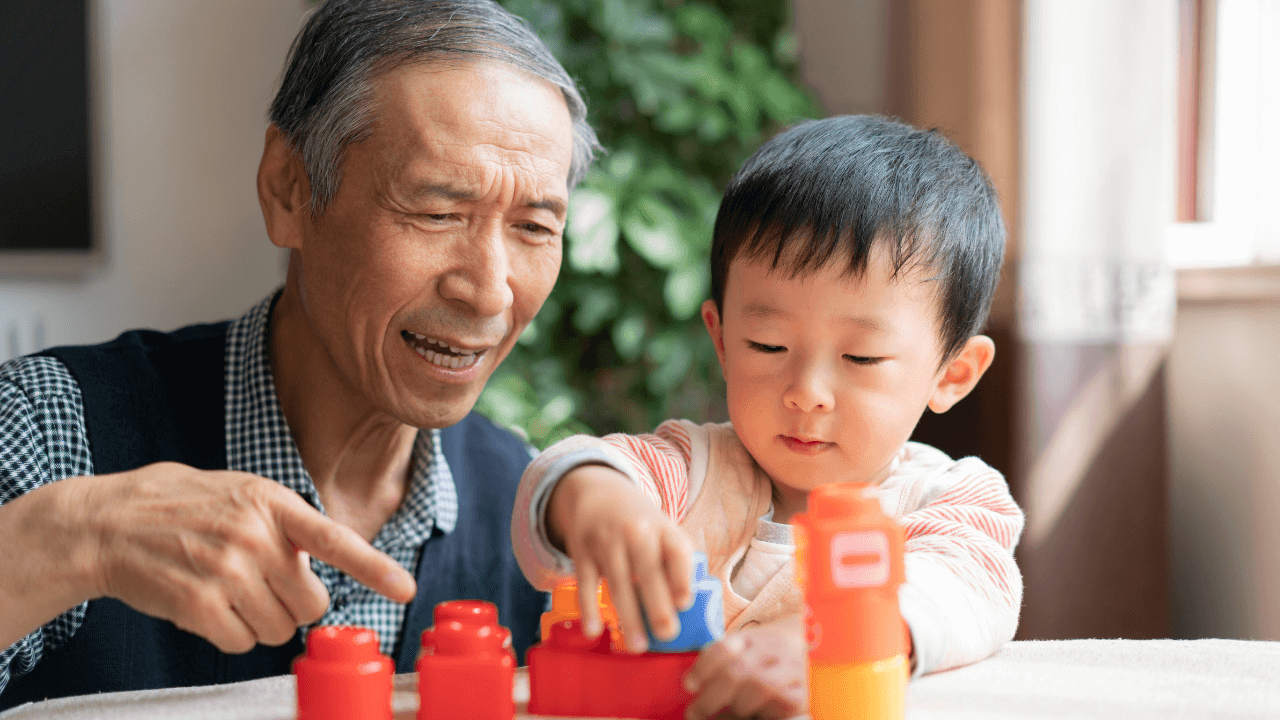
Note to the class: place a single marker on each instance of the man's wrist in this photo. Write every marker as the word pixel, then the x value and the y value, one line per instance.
pixel 47 555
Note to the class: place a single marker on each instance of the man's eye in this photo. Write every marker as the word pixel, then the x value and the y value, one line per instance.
pixel 534 228
pixel 863 360
pixel 759 347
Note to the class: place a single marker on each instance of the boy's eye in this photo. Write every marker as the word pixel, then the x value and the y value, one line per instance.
pixel 759 347
pixel 863 360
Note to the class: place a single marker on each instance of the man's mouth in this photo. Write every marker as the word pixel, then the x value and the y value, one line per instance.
pixel 440 353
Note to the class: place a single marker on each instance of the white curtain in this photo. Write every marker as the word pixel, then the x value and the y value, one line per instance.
pixel 1096 296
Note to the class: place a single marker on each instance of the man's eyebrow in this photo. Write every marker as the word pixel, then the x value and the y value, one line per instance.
pixel 441 190
pixel 554 205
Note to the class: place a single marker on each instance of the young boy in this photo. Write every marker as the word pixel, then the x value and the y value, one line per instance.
pixel 853 264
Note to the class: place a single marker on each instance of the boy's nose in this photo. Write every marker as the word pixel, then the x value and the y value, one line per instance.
pixel 810 391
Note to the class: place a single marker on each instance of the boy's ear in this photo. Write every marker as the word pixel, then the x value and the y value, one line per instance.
pixel 962 373
pixel 711 318
pixel 283 191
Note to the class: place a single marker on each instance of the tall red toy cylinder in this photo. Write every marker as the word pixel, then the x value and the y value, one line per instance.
pixel 467 666
pixel 343 676
pixel 849 562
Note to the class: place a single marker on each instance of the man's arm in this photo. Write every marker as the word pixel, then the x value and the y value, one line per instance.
pixel 220 554
pixel 44 568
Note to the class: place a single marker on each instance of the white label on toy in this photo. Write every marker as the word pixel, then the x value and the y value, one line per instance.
pixel 860 559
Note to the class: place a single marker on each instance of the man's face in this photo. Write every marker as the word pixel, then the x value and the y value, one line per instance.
pixel 444 237
pixel 826 374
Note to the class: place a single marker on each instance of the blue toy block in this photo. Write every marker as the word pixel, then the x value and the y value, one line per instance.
pixel 703 622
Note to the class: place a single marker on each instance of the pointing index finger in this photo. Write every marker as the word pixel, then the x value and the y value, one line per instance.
pixel 343 548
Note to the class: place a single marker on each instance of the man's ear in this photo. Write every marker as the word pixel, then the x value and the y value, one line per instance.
pixel 962 373
pixel 711 318
pixel 283 191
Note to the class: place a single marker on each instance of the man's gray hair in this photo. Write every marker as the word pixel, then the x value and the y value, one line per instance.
pixel 325 98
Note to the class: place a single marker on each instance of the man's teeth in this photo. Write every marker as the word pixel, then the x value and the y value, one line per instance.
pixel 449 361
pixel 459 359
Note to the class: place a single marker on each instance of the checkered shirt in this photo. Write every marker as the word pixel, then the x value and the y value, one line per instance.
pixel 43 439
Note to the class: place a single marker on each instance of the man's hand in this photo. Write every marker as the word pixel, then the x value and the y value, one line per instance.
pixel 223 555
pixel 758 671
pixel 609 528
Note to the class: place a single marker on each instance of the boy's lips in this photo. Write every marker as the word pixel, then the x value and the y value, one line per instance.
pixel 805 447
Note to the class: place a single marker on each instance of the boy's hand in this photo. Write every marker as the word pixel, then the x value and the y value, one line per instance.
pixel 607 526
pixel 759 671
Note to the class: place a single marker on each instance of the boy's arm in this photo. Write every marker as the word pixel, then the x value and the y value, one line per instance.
pixel 610 505
pixel 658 463
pixel 963 589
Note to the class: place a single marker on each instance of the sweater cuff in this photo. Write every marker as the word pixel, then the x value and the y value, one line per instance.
pixel 927 626
pixel 600 453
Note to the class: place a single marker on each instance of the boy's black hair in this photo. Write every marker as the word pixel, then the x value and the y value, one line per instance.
pixel 841 185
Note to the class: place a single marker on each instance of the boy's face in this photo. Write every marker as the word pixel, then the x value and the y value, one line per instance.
pixel 828 374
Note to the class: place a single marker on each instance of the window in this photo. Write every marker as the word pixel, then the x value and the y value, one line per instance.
pixel 1229 143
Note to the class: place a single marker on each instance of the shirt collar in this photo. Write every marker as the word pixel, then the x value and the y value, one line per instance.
pixel 258 440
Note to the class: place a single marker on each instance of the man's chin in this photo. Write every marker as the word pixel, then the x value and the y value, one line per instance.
pixel 440 412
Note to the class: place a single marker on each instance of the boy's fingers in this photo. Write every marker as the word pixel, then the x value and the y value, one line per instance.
pixel 655 593
pixel 678 556
pixel 343 548
pixel 622 591
pixel 712 660
pixel 588 587
pixel 748 700
pixel 716 693
pixel 658 608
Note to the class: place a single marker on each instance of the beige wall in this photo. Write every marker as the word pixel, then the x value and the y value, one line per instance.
pixel 844 52
pixel 183 88
pixel 1224 438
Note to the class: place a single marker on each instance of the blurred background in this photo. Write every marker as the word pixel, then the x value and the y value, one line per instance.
pixel 1133 402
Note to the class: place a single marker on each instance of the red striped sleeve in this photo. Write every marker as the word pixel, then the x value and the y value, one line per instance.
pixel 972 529
pixel 661 461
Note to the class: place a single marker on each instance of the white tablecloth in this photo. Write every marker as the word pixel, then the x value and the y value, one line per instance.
pixel 1121 679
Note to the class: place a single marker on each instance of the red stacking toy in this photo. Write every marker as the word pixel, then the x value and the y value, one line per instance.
pixel 467 666
pixel 343 676
pixel 573 675
pixel 849 562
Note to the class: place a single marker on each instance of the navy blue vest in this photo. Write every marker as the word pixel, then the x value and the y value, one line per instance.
pixel 150 397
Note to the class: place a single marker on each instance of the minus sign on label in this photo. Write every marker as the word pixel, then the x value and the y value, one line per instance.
pixel 860 559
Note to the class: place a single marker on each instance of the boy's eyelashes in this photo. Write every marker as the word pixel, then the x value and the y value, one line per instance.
pixel 855 359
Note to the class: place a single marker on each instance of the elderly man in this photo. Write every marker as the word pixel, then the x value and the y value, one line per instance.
pixel 176 506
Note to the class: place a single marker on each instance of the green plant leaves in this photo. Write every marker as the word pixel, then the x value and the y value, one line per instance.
pixel 592 232
pixel 653 231
pixel 685 289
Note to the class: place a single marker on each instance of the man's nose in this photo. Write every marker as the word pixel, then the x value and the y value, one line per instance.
pixel 809 389
pixel 481 272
